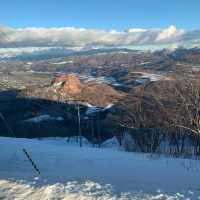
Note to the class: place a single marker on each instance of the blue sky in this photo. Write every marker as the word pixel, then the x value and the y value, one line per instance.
pixel 101 14
pixel 80 24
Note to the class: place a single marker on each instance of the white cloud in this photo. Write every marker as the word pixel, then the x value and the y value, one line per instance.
pixel 170 34
pixel 71 37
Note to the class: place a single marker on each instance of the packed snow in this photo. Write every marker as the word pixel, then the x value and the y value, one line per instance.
pixel 84 173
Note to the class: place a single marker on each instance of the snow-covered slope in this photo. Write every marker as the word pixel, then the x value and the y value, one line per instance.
pixel 70 172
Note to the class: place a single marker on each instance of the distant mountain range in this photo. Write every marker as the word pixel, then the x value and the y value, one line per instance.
pixel 188 55
pixel 58 53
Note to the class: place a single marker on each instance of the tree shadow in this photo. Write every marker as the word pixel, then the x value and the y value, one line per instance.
pixel 21 115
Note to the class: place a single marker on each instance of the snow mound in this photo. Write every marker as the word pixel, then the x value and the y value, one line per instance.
pixel 111 143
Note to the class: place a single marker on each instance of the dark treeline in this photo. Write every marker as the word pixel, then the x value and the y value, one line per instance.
pixel 17 112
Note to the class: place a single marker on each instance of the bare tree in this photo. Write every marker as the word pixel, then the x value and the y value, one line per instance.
pixel 170 105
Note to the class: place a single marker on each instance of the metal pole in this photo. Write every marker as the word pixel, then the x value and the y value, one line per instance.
pixel 79 126
pixel 92 126
pixel 7 125
pixel 98 130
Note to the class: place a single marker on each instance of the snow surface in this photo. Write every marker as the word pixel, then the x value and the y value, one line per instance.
pixel 100 79
pixel 145 63
pixel 196 68
pixel 41 118
pixel 70 172
pixel 153 77
pixel 94 109
pixel 62 62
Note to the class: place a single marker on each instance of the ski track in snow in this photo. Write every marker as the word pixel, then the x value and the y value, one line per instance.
pixel 70 172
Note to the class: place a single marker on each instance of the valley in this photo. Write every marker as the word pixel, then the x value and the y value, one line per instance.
pixel 55 87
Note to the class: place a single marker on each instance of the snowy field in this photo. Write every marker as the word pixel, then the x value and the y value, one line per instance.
pixel 73 173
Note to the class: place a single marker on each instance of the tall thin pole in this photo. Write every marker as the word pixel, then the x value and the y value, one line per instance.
pixel 98 130
pixel 7 125
pixel 79 126
pixel 92 126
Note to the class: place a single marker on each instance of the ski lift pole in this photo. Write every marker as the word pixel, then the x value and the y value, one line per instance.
pixel 92 129
pixel 98 130
pixel 79 126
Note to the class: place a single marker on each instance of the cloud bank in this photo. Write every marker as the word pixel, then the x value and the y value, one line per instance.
pixel 70 37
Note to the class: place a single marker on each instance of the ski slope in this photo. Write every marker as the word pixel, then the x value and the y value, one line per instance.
pixel 70 172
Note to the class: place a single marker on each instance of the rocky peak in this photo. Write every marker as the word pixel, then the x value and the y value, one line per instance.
pixel 69 84
pixel 68 87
